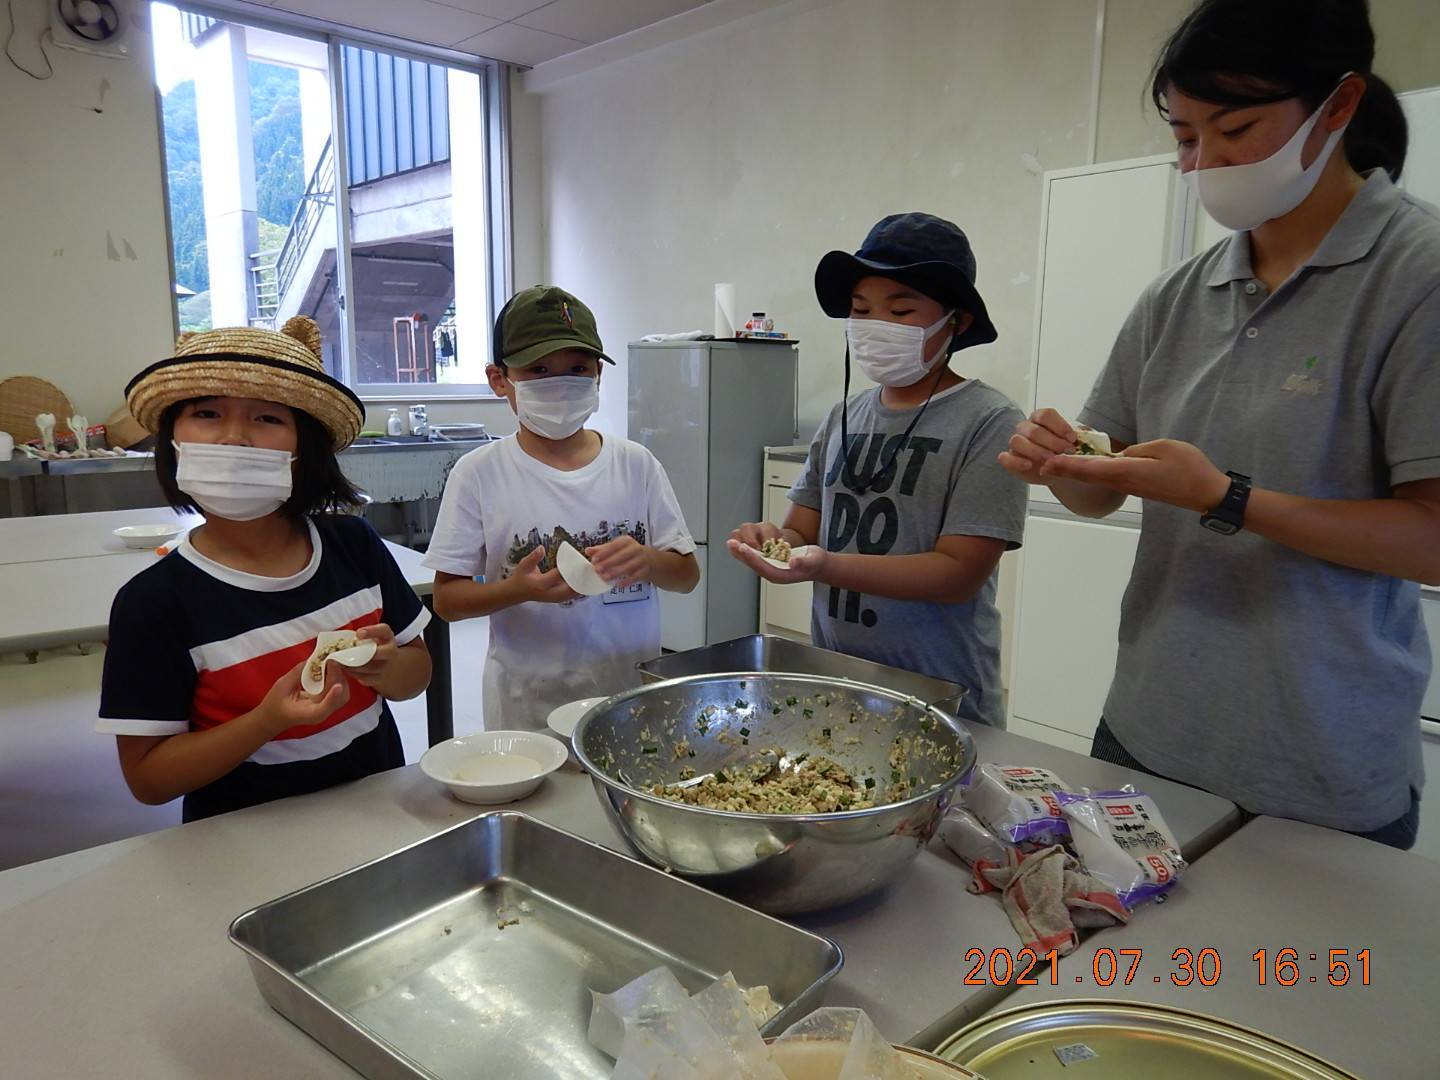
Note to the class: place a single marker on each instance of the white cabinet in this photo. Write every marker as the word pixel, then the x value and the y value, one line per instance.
pixel 1107 231
pixel 1422 161
pixel 1069 617
pixel 784 609
pixel 1430 608
pixel 1106 238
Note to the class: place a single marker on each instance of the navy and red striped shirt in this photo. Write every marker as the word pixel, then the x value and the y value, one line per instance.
pixel 194 644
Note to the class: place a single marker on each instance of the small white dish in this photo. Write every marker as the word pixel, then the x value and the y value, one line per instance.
pixel 493 766
pixel 142 537
pixel 351 652
pixel 562 720
pixel 578 573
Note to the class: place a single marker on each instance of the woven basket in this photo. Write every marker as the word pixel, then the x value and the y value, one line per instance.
pixel 23 397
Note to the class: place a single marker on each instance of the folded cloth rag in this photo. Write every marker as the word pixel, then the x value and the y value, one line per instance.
pixel 1049 897
pixel 684 335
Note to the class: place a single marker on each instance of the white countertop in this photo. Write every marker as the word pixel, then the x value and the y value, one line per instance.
pixel 48 537
pixel 66 599
pixel 1280 883
pixel 121 954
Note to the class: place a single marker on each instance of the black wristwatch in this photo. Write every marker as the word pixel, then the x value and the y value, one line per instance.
pixel 1229 517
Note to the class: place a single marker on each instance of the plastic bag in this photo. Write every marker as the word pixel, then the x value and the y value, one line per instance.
pixel 977 846
pixel 653 994
pixel 656 1031
pixel 1124 843
pixel 809 1045
pixel 1019 804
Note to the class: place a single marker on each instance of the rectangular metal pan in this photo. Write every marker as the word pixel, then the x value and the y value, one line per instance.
pixel 473 953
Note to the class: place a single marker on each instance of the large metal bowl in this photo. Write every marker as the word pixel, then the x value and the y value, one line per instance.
pixel 778 863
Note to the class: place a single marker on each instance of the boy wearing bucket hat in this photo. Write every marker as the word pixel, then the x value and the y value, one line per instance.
pixel 202 681
pixel 510 505
pixel 902 531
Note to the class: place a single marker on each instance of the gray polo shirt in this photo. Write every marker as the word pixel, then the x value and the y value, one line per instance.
pixel 1285 683
pixel 945 481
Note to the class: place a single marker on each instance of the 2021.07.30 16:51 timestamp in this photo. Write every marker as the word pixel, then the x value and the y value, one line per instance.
pixel 1283 967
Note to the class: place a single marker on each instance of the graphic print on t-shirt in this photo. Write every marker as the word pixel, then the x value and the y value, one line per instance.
pixel 875 463
pixel 603 533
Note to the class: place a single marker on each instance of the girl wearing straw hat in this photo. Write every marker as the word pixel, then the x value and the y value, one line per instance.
pixel 202 682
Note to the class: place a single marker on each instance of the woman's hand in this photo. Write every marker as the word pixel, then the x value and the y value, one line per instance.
pixel 806 563
pixel 287 705
pixel 1163 470
pixel 1038 438
pixel 622 562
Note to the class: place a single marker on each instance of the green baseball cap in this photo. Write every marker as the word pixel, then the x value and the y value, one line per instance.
pixel 541 320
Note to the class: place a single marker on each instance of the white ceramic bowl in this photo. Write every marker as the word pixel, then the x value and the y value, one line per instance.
pixel 148 536
pixel 562 720
pixel 493 766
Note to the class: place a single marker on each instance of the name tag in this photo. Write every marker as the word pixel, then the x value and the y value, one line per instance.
pixel 638 591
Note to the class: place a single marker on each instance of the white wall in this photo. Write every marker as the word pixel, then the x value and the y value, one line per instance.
pixel 85 278
pixel 746 153
pixel 1406 32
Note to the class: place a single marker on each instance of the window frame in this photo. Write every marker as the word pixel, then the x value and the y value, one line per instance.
pixel 494 77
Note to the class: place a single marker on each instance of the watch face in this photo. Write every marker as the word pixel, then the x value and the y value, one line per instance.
pixel 1219 525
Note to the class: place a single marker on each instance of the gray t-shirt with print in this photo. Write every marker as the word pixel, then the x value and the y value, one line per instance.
pixel 945 480
pixel 1285 683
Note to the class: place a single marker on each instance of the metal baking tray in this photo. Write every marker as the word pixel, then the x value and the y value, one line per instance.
pixel 770 652
pixel 473 953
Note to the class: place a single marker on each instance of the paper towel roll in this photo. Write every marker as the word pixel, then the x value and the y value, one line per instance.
pixel 725 323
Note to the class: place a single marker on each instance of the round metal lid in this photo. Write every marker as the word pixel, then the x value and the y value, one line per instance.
pixel 1038 1042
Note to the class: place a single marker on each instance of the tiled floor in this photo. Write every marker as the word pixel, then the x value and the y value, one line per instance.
pixel 60 785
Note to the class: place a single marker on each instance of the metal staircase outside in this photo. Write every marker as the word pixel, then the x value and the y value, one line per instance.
pixel 273 271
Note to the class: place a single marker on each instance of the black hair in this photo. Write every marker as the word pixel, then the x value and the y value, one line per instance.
pixel 1255 52
pixel 319 485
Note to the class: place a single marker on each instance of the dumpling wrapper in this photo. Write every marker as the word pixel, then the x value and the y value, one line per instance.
pixel 352 653
pixel 578 573
pixel 783 565
pixel 1092 442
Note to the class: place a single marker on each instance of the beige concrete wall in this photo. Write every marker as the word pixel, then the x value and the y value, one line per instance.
pixel 1407 54
pixel 85 278
pixel 744 154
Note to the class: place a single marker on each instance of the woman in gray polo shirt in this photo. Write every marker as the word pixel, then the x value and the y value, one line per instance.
pixel 1277 402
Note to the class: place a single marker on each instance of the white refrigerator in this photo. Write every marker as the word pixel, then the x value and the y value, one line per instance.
pixel 707 410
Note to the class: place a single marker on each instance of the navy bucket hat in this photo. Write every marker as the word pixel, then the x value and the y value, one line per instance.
pixel 925 252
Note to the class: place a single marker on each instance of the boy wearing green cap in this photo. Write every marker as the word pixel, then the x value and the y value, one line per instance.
pixel 903 512
pixel 510 504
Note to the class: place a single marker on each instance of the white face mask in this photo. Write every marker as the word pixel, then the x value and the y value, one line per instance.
pixel 893 354
pixel 1244 197
pixel 238 483
pixel 558 406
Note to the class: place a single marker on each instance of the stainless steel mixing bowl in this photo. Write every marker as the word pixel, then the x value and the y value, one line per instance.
pixel 779 863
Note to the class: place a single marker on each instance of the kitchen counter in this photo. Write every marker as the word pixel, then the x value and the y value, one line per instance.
pixel 141 462
pixel 390 470
pixel 18 466
pixel 1278 884
pixel 120 953
pixel 788 453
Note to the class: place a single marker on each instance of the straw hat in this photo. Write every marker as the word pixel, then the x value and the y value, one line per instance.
pixel 240 361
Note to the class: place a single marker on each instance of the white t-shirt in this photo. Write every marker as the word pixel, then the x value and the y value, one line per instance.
pixel 499 505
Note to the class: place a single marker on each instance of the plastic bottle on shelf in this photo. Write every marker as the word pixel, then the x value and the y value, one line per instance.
pixel 393 424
